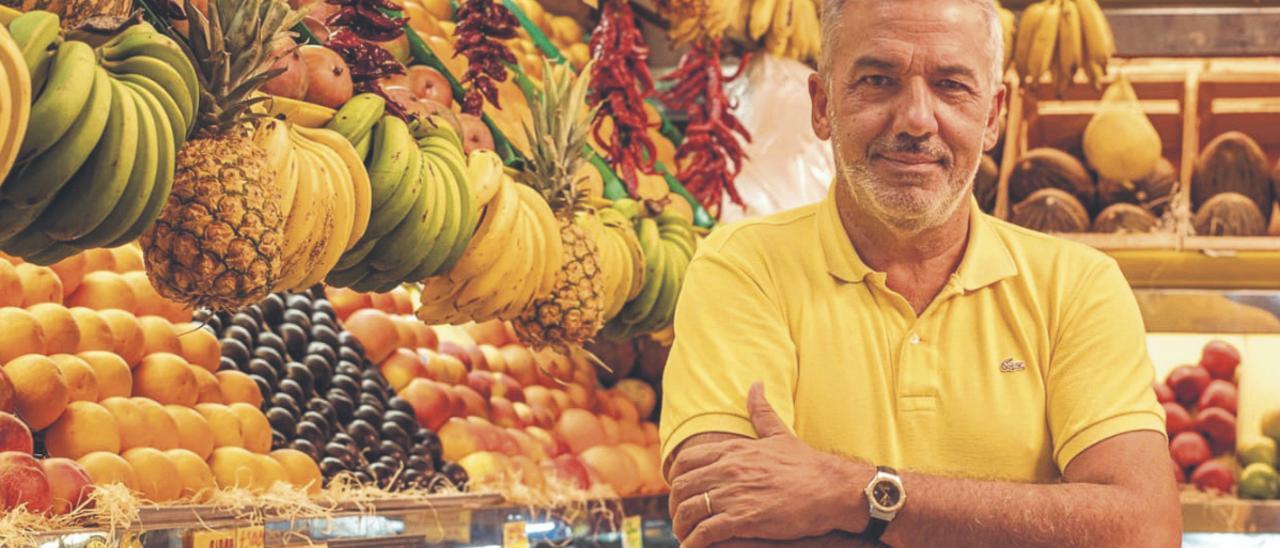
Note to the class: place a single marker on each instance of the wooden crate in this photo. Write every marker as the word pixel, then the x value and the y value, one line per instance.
pixel 1189 101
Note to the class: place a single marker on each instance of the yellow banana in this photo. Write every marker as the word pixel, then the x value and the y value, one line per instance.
pixel 489 240
pixel 1008 25
pixel 1027 27
pixel 15 101
pixel 761 18
pixel 1045 42
pixel 484 172
pixel 272 136
pixel 360 188
pixel 1099 42
pixel 524 290
pixel 1070 43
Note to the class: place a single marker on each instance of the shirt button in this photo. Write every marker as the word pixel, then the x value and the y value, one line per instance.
pixel 915 339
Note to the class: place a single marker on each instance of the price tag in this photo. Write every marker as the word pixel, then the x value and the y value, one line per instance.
pixel 632 532
pixel 213 539
pixel 513 535
pixel 251 537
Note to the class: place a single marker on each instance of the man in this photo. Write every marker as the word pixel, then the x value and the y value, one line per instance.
pixel 999 373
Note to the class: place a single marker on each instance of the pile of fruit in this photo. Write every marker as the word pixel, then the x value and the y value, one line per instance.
pixel 1233 190
pixel 1059 38
pixel 1200 418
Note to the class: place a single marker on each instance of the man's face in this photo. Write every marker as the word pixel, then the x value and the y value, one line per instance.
pixel 910 105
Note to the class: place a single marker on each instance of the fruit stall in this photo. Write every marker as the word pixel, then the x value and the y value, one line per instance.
pixel 403 272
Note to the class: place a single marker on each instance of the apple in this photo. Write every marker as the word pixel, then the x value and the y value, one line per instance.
pixel 451 369
pixel 486 469
pixel 429 83
pixel 455 349
pixel 291 83
pixel 1214 476
pixel 612 432
pixel 562 399
pixel 489 436
pixel 1176 419
pixel 1220 359
pixel 14 434
pixel 482 382
pixel 431 405
pixel 520 364
pixel 529 446
pixel 503 413
pixel 545 438
pixel 476 406
pixel 1188 382
pixel 23 482
pixel 1219 426
pixel 524 413
pixel 538 395
pixel 580 397
pixel 580 429
pixel 1220 394
pixel 543 417
pixel 1189 450
pixel 402 367
pixel 493 359
pixel 506 386
pixel 458 438
pixel 69 484
pixel 1164 394
pixel 570 469
pixel 645 398
pixel 631 432
pixel 475 134
pixel 328 76
pixel 7 393
pixel 457 405
pixel 345 301
pixel 651 437
pixel 492 332
pixel 615 467
pixel 384 302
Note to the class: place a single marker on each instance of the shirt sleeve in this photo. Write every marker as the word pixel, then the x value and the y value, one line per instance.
pixel 1100 374
pixel 730 334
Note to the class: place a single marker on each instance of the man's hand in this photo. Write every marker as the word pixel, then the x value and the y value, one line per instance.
pixel 772 488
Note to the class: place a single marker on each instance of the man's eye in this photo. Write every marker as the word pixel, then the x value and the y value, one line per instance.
pixel 877 80
pixel 952 85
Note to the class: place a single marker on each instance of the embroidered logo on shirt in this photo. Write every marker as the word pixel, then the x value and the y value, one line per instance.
pixel 1011 365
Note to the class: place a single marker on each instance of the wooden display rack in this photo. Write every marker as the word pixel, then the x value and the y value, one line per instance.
pixel 1189 101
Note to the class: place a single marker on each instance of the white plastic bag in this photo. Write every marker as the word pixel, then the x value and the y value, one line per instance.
pixel 787 165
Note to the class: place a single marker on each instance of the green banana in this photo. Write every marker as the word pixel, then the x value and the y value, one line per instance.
pixel 399 252
pixel 28 243
pixel 143 40
pixel 385 218
pixel 356 255
pixel 16 221
pixel 129 207
pixel 470 220
pixel 37 34
pixel 444 222
pixel 348 277
pixel 680 240
pixel 639 308
pixel 52 254
pixel 358 115
pixel 363 144
pixel 172 112
pixel 89 197
pixel 629 208
pixel 167 152
pixel 50 171
pixel 672 275
pixel 164 75
pixel 393 146
pixel 65 95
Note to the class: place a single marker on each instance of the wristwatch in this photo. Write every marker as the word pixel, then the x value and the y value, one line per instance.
pixel 885 496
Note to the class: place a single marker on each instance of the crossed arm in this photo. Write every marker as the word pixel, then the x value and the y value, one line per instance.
pixel 776 490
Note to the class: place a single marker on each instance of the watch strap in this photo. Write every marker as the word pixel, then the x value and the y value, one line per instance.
pixel 876 526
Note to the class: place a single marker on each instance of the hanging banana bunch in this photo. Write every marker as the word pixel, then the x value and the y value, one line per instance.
pixel 784 28
pixel 1060 37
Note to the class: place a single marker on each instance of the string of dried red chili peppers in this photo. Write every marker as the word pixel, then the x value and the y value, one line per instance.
pixel 710 157
pixel 356 25
pixel 482 25
pixel 621 82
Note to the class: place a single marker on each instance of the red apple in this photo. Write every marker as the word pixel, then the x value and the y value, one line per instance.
pixel 1176 419
pixel 291 83
pixel 14 434
pixel 1214 476
pixel 328 76
pixel 457 405
pixel 506 386
pixel 490 436
pixel 345 301
pixel 453 348
pixel 482 382
pixel 1188 382
pixel 431 405
pixel 550 445
pixel 429 83
pixel 570 469
pixel 581 430
pixel 1164 394
pixel 524 413
pixel 1220 359
pixel 1220 394
pixel 458 438
pixel 493 360
pixel 69 484
pixel 543 417
pixel 6 394
pixel 475 134
pixel 529 446
pixel 1219 426
pixel 538 395
pixel 492 332
pixel 1189 450
pixel 402 367
pixel 450 370
pixel 475 405
pixel 23 481
pixel 520 364
pixel 503 413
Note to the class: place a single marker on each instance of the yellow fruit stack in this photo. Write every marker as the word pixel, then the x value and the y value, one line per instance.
pixel 98 363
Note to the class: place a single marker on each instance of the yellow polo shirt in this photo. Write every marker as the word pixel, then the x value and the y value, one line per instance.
pixel 1034 350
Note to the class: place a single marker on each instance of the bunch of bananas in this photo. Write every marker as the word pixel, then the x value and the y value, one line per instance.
pixel 668 242
pixel 97 164
pixel 789 28
pixel 1059 37
pixel 621 257
pixel 325 196
pixel 512 259
pixel 423 209
pixel 15 100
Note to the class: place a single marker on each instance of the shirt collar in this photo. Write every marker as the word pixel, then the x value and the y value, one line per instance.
pixel 986 257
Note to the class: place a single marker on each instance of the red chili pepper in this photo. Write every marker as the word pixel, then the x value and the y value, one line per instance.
pixel 368 61
pixel 482 25
pixel 710 156
pixel 621 82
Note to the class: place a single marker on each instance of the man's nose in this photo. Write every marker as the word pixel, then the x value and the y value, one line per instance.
pixel 915 115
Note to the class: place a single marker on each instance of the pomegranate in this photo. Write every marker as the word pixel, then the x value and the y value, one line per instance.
pixel 1189 450
pixel 1176 419
pixel 328 77
pixel 429 83
pixel 1219 426
pixel 1221 394
pixel 475 135
pixel 1214 475
pixel 1188 382
pixel 291 83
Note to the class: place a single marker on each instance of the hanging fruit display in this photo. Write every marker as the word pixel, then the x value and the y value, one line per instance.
pixel 621 84
pixel 1060 37
pixel 482 24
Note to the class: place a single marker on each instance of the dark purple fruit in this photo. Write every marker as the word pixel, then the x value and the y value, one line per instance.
pixel 330 467
pixel 256 312
pixel 298 302
pixel 281 419
pixel 399 418
pixel 346 384
pixel 300 374
pixel 320 371
pixel 278 440
pixel 349 369
pixel 395 433
pixel 363 477
pixel 350 356
pixel 370 386
pixel 261 368
pixel 270 355
pixel 235 351
pixel 246 322
pixel 348 340
pixel 298 318
pixel 392 449
pixel 343 407
pixel 344 439
pixel 431 441
pixel 264 387
pixel 305 446
pixel 368 414
pixel 311 432
pixel 323 423
pixel 269 339
pixel 365 434
pixel 381 473
pixel 295 340
pixel 287 402
pixel 417 462
pixel 213 322
pixel 316 292
pixel 323 350
pixel 340 452
pixel 292 388
pixel 318 321
pixel 411 477
pixel 272 309
pixel 227 364
pixel 324 408
pixel 372 400
pixel 323 306
pixel 456 475
pixel 400 404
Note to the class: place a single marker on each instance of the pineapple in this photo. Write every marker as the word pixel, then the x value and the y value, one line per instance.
pixel 217 243
pixel 574 311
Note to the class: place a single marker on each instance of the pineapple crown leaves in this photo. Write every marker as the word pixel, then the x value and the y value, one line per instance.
pixel 231 52
pixel 558 136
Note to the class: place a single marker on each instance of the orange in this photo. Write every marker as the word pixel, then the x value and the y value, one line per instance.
pixel 70 271
pixel 177 312
pixel 303 472
pixel 130 420
pixel 253 427
pixel 194 432
pixel 40 284
pixel 157 475
pixel 163 429
pixel 95 333
pixel 238 387
pixel 84 427
pixel 10 285
pixel 200 347
pixel 236 468
pixel 159 336
pixel 128 258
pixel 102 290
pixel 149 302
pixel 273 472
pixel 40 392
pixel 127 333
pixel 207 389
pixel 104 468
pixel 225 424
pixel 97 259
pixel 81 378
pixel 61 333
pixel 165 378
pixel 197 478
pixel 111 372
pixel 21 334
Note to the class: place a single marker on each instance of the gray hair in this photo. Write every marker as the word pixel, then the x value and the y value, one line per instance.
pixel 829 23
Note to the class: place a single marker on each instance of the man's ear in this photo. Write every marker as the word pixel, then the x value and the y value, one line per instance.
pixel 992 135
pixel 818 101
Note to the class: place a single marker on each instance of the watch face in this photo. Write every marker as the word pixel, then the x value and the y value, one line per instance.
pixel 886 494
